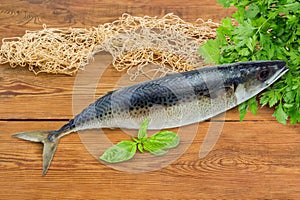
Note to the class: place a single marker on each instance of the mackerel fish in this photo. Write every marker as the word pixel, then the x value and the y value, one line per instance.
pixel 174 100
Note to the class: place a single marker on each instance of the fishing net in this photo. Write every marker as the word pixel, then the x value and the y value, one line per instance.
pixel 170 43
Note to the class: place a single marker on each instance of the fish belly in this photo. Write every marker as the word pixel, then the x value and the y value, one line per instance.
pixel 186 111
pixel 182 113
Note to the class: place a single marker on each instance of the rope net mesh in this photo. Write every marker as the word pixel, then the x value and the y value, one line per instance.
pixel 170 43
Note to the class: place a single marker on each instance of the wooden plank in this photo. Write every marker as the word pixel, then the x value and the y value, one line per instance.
pixel 257 162
pixel 256 159
pixel 18 16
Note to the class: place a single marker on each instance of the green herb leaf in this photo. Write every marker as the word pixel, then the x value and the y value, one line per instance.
pixel 280 115
pixel 253 11
pixel 243 107
pixel 155 144
pixel 253 105
pixel 122 151
pixel 161 141
pixel 226 3
pixel 266 30
pixel 210 51
pixel 142 134
pixel 156 152
pixel 140 147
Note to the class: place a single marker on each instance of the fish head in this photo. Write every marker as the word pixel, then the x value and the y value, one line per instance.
pixel 256 76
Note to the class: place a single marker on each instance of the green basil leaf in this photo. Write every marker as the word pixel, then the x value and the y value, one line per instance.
pixel 122 151
pixel 160 141
pixel 140 147
pixel 142 134
pixel 157 152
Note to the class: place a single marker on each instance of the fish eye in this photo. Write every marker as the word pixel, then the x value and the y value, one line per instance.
pixel 263 74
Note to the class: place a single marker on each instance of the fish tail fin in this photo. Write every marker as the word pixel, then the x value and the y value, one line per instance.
pixel 42 137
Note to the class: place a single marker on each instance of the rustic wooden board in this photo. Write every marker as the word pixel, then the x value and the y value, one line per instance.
pixel 258 158
pixel 251 160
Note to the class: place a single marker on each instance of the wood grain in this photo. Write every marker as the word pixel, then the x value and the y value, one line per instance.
pixel 245 163
pixel 256 159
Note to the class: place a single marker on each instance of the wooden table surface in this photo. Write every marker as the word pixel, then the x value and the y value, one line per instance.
pixel 256 159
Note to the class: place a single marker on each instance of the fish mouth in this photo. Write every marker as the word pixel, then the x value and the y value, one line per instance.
pixel 277 75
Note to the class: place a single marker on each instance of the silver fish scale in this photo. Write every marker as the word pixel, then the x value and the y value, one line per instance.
pixel 177 99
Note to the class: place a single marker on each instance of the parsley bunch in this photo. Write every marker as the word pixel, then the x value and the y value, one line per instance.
pixel 263 30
